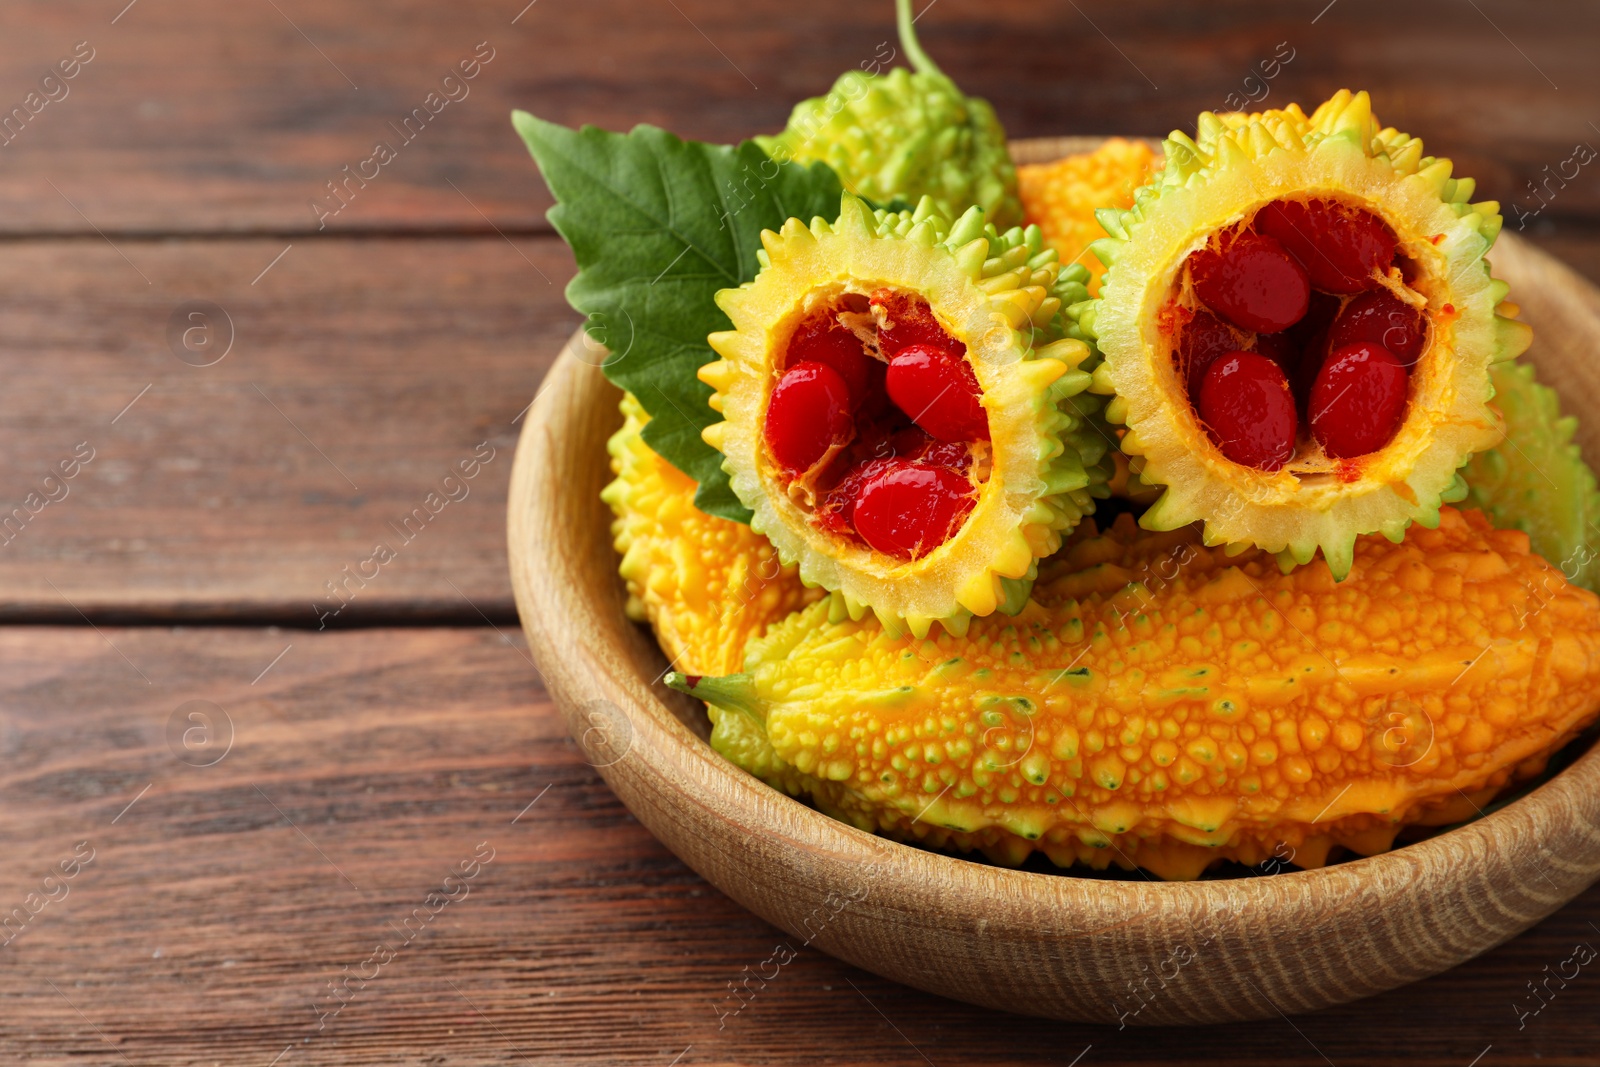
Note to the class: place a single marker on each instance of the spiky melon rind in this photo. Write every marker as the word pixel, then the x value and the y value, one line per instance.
pixel 1237 164
pixel 1536 481
pixel 1000 294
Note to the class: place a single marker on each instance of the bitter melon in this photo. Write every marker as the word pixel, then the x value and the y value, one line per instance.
pixel 1298 324
pixel 1164 706
pixel 904 410
pixel 905 135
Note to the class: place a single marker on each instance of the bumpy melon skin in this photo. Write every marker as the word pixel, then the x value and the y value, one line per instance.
pixel 998 293
pixel 1062 197
pixel 1536 481
pixel 1165 706
pixel 1236 164
pixel 705 584
pixel 905 135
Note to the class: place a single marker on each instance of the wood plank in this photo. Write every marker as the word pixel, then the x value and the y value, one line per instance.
pixel 365 767
pixel 199 117
pixel 363 372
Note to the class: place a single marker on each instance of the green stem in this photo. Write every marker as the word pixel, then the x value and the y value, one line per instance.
pixel 736 692
pixel 908 40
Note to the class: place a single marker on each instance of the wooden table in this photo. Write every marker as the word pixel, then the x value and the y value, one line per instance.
pixel 221 799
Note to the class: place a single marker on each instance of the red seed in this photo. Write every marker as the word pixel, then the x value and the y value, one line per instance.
pixel 905 320
pixel 1382 318
pixel 1340 247
pixel 939 391
pixel 909 509
pixel 875 448
pixel 809 412
pixel 1252 282
pixel 823 340
pixel 1358 400
pixel 836 502
pixel 1204 339
pixel 1247 408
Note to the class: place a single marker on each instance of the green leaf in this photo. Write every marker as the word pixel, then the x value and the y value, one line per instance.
pixel 658 225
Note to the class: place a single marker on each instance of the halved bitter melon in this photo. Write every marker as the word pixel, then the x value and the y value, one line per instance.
pixel 904 411
pixel 1250 294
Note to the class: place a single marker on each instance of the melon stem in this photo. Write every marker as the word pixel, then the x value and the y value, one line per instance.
pixel 735 692
pixel 908 40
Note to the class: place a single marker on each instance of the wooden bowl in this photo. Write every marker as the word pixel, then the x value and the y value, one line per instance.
pixel 1086 949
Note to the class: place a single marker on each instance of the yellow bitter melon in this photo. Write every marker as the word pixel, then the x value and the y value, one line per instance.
pixel 1164 706
pixel 705 584
pixel 1062 197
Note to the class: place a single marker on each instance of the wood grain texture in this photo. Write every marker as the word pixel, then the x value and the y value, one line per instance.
pixel 207 927
pixel 362 372
pixel 203 117
pixel 1058 947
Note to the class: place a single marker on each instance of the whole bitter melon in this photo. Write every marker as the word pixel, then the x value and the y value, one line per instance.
pixel 1164 706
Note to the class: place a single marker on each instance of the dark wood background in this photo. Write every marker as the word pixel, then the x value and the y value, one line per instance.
pixel 369 759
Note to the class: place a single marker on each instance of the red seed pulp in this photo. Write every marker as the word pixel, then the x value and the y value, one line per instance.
pixel 809 413
pixel 837 501
pixel 1252 282
pixel 905 320
pixel 908 509
pixel 1281 349
pixel 939 391
pixel 1358 400
pixel 822 339
pixel 1382 318
pixel 1204 339
pixel 1249 411
pixel 870 456
pixel 904 432
pixel 1300 279
pixel 1310 338
pixel 1339 247
pixel 1320 311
